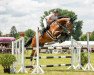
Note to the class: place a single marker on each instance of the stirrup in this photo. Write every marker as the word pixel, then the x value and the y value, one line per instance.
pixel 42 33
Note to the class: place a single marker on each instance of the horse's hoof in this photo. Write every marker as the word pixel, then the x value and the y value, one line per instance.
pixel 31 69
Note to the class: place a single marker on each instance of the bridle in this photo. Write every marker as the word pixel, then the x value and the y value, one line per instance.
pixel 64 30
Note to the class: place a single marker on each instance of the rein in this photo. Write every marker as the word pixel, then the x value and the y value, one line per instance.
pixel 65 30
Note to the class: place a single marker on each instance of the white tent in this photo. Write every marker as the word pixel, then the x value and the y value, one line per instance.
pixel 68 43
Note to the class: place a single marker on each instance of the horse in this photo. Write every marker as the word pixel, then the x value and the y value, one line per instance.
pixel 60 27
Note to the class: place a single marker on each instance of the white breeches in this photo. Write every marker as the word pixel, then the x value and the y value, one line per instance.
pixel 45 22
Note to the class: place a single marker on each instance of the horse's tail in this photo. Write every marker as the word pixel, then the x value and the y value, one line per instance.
pixel 28 42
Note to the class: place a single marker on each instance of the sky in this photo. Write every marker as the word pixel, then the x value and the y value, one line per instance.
pixel 25 14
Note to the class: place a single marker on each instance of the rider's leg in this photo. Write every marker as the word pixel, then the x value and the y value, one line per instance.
pixel 45 26
pixel 45 23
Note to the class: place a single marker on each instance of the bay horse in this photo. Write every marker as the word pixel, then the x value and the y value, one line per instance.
pixel 60 27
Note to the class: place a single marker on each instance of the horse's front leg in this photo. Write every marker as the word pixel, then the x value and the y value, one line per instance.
pixel 32 55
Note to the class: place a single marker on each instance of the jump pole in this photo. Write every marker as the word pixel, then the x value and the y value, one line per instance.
pixel 72 49
pixel 12 47
pixel 37 69
pixel 22 69
pixel 88 65
pixel 13 66
pixel 78 48
pixel 79 66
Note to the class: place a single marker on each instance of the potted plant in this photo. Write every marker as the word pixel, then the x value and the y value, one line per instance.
pixel 6 60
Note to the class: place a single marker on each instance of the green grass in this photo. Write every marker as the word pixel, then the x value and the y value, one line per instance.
pixel 54 70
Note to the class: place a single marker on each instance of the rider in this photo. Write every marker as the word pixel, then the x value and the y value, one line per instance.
pixel 49 19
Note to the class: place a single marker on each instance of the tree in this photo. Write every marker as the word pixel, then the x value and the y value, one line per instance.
pixel 83 37
pixel 77 30
pixel 13 32
pixel 29 33
pixel 77 25
pixel 92 36
pixel 0 33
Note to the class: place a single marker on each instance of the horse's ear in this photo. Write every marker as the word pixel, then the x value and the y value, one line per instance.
pixel 71 20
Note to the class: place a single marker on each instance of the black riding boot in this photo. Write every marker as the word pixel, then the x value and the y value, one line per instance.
pixel 43 31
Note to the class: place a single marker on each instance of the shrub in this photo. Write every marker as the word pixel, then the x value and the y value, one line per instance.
pixel 6 60
pixel 84 58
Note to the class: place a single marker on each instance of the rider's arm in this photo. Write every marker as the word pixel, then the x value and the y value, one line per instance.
pixel 50 19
